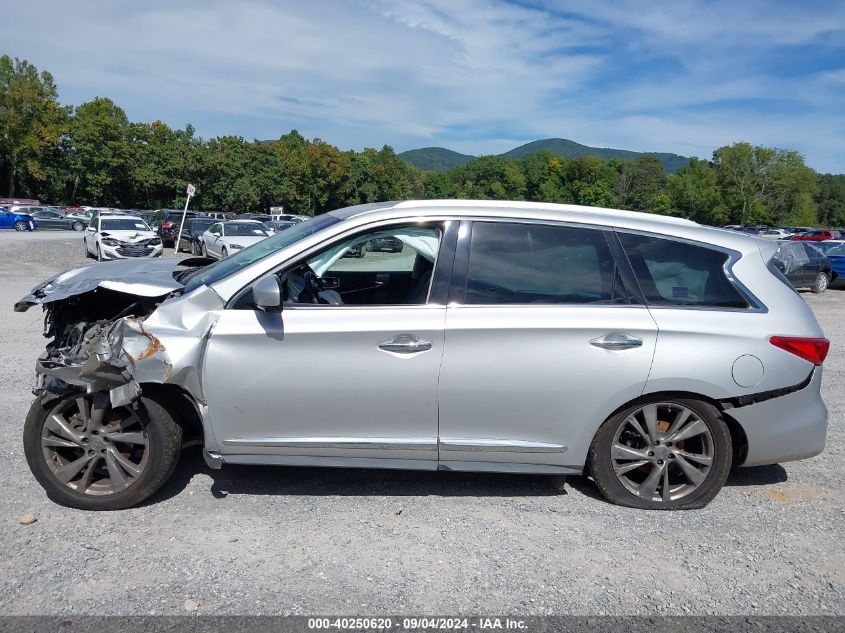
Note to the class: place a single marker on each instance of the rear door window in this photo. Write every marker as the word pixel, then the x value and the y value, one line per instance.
pixel 511 263
pixel 672 273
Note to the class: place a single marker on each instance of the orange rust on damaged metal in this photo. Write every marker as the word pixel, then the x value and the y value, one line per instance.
pixel 154 346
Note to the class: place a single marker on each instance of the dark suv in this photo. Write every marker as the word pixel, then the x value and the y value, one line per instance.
pixel 166 224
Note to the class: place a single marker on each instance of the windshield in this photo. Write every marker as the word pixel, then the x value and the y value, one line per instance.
pixel 243 229
pixel 232 264
pixel 123 224
pixel 199 226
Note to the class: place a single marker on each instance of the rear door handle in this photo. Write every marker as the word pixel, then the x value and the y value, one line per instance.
pixel 617 340
pixel 405 344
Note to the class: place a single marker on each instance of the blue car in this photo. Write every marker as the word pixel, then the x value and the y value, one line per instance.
pixel 835 251
pixel 17 220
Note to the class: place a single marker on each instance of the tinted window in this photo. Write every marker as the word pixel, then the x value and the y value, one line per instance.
pixel 534 263
pixel 676 273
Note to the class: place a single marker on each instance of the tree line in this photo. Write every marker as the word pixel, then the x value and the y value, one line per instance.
pixel 92 154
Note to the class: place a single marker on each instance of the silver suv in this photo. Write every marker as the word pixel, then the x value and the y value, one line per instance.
pixel 649 352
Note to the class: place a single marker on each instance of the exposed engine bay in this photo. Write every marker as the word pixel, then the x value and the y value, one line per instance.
pixel 104 333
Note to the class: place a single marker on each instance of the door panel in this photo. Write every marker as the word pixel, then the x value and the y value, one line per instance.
pixel 526 374
pixel 313 382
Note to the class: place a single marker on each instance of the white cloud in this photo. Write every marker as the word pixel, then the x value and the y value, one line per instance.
pixel 474 75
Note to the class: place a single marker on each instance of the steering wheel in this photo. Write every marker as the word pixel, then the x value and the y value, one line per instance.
pixel 312 285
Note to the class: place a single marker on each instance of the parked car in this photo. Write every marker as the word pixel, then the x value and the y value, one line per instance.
pixel 834 250
pixel 274 226
pixel 190 239
pixel 120 237
pixel 220 215
pixel 223 238
pixel 166 223
pixel 774 234
pixel 83 215
pixel 650 352
pixel 17 220
pixel 390 244
pixel 52 218
pixel 817 235
pixel 287 217
pixel 804 265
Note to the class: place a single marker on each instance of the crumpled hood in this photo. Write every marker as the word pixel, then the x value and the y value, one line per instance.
pixel 139 277
pixel 129 236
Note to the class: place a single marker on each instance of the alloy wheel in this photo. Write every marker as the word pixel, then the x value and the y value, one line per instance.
pixel 92 448
pixel 20 225
pixel 662 452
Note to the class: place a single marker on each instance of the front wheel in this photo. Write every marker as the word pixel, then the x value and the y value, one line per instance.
pixel 99 254
pixel 821 283
pixel 88 455
pixel 663 455
pixel 20 225
pixel 224 253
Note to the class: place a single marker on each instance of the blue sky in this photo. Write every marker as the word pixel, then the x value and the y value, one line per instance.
pixel 477 76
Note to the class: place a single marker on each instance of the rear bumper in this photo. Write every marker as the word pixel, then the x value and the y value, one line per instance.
pixel 785 428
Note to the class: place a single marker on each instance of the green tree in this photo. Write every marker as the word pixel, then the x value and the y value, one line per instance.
pixel 830 199
pixel 100 154
pixel 490 178
pixel 764 184
pixel 694 192
pixel 32 122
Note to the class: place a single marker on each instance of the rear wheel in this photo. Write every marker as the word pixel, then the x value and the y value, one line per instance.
pixel 665 455
pixel 77 226
pixel 91 456
pixel 821 283
pixel 20 225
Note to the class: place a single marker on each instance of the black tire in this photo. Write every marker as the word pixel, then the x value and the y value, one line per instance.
pixel 88 254
pixel 204 250
pixel 194 250
pixel 600 463
pixel 20 225
pixel 821 283
pixel 77 226
pixel 224 253
pixel 99 254
pixel 165 441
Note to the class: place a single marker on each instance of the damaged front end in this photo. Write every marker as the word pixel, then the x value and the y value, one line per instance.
pixel 113 327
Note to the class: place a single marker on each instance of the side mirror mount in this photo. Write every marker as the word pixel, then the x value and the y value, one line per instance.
pixel 267 294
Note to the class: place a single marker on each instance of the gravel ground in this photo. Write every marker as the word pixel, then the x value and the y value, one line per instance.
pixel 295 540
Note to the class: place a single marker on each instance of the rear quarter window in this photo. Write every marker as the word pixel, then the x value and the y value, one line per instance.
pixel 672 273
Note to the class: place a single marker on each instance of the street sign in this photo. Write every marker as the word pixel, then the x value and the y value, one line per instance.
pixel 191 190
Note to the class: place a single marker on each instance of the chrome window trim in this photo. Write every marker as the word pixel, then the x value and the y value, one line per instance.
pixel 340 236
pixel 457 295
pixel 756 306
pixel 498 446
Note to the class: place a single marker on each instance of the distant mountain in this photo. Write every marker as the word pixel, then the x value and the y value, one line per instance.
pixel 435 158
pixel 442 159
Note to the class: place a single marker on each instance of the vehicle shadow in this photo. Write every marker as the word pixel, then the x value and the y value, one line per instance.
pixel 318 481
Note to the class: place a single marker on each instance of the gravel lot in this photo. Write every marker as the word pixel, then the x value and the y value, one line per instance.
pixel 278 541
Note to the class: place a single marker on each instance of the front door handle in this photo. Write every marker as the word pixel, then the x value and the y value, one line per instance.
pixel 617 340
pixel 405 344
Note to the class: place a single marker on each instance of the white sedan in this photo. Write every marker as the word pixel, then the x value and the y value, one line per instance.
pixel 221 239
pixel 120 237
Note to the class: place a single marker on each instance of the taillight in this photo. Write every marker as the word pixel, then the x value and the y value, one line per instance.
pixel 811 349
pixel 166 225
